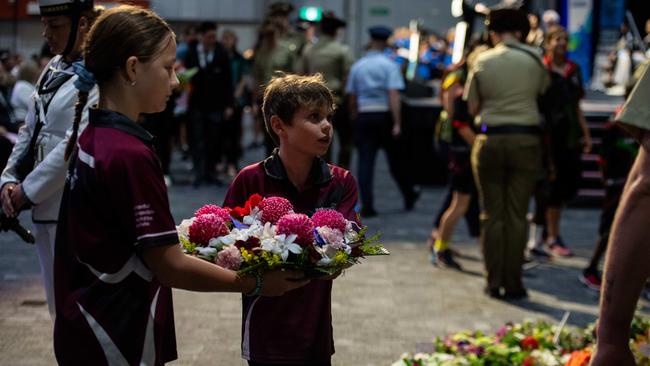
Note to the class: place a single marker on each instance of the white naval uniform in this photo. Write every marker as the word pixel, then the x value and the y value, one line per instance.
pixel 44 185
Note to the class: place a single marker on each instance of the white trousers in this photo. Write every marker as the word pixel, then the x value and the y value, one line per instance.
pixel 45 235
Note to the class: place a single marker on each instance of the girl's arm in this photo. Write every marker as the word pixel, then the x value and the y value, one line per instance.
pixel 175 269
pixel 585 130
pixel 467 134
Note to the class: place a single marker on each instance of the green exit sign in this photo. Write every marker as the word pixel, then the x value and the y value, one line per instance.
pixel 311 13
pixel 379 11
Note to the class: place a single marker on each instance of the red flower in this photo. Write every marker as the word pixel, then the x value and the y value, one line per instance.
pixel 222 213
pixel 529 343
pixel 529 361
pixel 299 224
pixel 329 218
pixel 254 200
pixel 206 227
pixel 273 208
pixel 249 244
pixel 239 212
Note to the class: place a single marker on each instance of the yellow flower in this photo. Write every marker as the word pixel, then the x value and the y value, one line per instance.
pixel 248 257
pixel 340 258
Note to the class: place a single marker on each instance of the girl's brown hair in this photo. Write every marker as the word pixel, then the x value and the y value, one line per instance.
pixel 118 34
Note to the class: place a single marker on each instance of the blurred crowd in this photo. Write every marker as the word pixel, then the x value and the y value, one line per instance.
pixel 219 84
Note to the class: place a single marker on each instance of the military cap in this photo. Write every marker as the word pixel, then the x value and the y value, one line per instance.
pixel 64 7
pixel 380 32
pixel 331 21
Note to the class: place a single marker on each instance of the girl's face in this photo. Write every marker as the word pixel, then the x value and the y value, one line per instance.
pixel 56 30
pixel 157 79
pixel 558 44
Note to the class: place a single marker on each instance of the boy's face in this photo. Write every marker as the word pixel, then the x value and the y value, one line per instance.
pixel 310 131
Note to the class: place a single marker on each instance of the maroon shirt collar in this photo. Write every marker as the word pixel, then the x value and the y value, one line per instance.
pixel 320 172
pixel 111 119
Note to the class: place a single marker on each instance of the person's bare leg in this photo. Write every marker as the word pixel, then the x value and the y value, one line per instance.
pixel 457 208
pixel 552 223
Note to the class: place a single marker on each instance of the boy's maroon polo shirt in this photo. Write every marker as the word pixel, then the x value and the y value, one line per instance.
pixel 295 328
pixel 115 206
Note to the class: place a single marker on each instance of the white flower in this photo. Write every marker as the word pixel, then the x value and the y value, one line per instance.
pixel 546 357
pixel 327 253
pixel 230 239
pixel 280 244
pixel 255 230
pixel 350 231
pixel 206 251
pixel 253 216
pixel 183 228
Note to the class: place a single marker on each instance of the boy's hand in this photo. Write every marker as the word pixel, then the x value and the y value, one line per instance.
pixel 276 283
pixel 332 276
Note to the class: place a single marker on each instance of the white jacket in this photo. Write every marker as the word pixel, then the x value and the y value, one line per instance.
pixel 44 185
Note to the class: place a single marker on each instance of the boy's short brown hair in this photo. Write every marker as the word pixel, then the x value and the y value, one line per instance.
pixel 287 93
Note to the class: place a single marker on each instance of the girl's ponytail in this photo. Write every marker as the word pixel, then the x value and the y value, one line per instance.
pixel 85 83
pixel 82 99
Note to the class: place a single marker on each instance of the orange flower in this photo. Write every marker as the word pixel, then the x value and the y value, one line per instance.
pixel 579 358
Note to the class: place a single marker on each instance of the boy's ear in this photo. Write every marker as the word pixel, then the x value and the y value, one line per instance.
pixel 278 126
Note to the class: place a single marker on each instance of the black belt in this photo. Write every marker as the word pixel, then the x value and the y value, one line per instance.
pixel 510 130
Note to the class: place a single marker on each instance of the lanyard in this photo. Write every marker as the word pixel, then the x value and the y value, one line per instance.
pixel 204 59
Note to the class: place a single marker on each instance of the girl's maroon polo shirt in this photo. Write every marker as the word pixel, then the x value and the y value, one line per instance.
pixel 115 205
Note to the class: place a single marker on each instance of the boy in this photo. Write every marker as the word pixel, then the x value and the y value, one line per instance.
pixel 295 328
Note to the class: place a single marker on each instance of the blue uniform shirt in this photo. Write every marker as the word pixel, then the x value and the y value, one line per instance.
pixel 370 79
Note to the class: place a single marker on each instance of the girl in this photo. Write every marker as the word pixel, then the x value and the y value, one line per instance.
pixel 117 249
pixel 567 125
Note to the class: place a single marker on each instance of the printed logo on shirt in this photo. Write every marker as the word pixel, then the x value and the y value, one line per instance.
pixel 143 215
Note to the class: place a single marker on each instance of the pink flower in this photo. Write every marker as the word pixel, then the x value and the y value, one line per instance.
pixel 330 218
pixel 273 208
pixel 333 237
pixel 299 224
pixel 206 227
pixel 229 258
pixel 223 213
